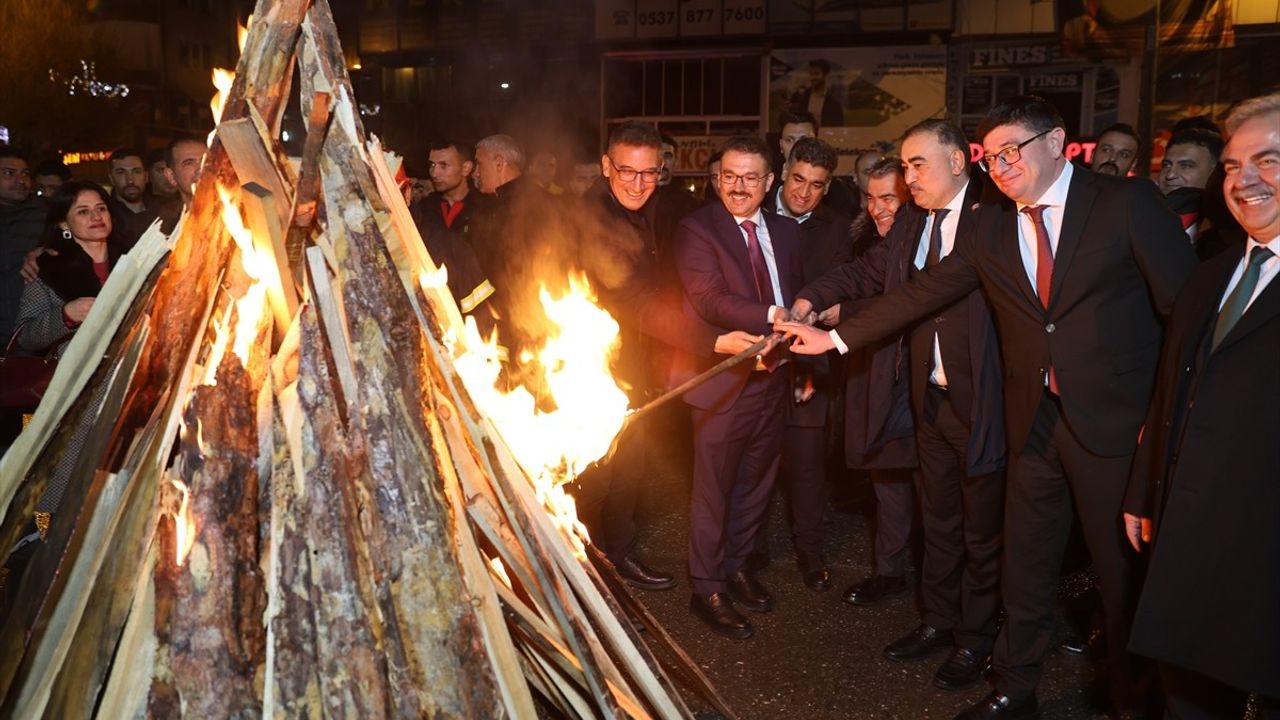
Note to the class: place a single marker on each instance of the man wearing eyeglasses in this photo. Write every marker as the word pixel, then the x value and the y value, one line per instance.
pixel 739 269
pixel 952 364
pixel 1079 269
pixel 619 253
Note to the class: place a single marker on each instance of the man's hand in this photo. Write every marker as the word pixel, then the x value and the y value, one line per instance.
pixel 1138 529
pixel 30 267
pixel 781 314
pixel 809 340
pixel 804 389
pixel 831 316
pixel 801 309
pixel 78 310
pixel 732 343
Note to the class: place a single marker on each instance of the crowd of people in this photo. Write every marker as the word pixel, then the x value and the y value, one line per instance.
pixel 1009 346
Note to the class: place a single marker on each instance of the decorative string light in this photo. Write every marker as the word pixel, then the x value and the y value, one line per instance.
pixel 87 82
pixel 370 110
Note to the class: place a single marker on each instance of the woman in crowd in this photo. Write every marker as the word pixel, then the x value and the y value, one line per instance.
pixel 78 234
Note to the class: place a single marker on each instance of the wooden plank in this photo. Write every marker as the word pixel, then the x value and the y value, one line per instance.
pixel 253 163
pixel 268 240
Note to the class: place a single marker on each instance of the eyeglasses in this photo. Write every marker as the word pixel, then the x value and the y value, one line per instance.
pixel 729 179
pixel 626 174
pixel 1010 155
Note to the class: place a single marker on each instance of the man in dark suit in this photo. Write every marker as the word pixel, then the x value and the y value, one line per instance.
pixel 1078 269
pixel 619 252
pixel 451 205
pixel 955 382
pixel 1207 467
pixel 739 269
pixel 824 244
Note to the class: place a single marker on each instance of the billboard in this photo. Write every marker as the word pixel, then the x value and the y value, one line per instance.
pixel 862 97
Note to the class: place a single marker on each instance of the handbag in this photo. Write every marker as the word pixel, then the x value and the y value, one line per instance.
pixel 25 378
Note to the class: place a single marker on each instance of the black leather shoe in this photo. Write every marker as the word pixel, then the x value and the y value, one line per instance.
pixel 999 707
pixel 962 669
pixel 716 610
pixel 1076 645
pixel 919 643
pixel 876 588
pixel 816 576
pixel 749 593
pixel 637 574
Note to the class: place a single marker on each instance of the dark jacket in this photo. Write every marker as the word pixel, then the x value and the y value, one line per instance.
pixel 1120 261
pixel 719 287
pixel 20 228
pixel 977 392
pixel 1208 473
pixel 429 212
pixel 824 244
pixel 618 251
pixel 126 225
pixel 64 277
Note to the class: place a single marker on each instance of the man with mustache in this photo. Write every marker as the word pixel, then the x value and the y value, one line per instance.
pixel 1079 299
pixel 1204 489
pixel 739 269
pixel 1116 151
pixel 955 383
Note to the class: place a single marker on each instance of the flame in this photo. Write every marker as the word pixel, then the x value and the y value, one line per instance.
pixel 184 524
pixel 554 447
pixel 223 79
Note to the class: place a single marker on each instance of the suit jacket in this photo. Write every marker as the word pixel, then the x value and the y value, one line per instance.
pixel 1208 473
pixel 885 267
pixel 1120 261
pixel 824 244
pixel 719 288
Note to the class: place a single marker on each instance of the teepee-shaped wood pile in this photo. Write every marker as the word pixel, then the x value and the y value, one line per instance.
pixel 284 502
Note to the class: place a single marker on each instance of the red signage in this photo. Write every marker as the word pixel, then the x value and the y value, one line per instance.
pixel 1074 149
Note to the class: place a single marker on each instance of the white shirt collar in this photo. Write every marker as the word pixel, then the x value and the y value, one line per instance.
pixel 957 203
pixel 757 218
pixel 1056 195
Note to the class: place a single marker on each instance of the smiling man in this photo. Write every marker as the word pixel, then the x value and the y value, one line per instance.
pixel 952 365
pixel 619 251
pixel 1207 468
pixel 1079 300
pixel 739 268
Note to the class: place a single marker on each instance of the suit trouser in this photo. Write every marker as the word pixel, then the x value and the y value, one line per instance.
pixel 1051 472
pixel 1190 695
pixel 735 463
pixel 895 512
pixel 606 497
pixel 961 520
pixel 804 478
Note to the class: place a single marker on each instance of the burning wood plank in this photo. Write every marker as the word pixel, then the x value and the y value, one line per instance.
pixel 341 533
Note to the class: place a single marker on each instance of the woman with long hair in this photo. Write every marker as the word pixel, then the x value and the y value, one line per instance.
pixel 78 234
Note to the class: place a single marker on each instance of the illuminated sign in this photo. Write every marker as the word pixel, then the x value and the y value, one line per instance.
pixel 76 158
pixel 1074 149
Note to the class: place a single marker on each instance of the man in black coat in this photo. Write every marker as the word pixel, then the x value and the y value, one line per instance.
pixel 955 382
pixel 740 269
pixel 1207 471
pixel 619 251
pixel 1078 269
pixel 824 244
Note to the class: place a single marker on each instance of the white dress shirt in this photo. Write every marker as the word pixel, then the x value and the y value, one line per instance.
pixel 766 248
pixel 949 224
pixel 1269 270
pixel 1055 198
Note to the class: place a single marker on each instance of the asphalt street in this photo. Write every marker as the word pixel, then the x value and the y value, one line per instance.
pixel 814 656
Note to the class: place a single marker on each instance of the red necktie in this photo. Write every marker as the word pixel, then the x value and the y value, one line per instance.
pixel 1044 269
pixel 1188 219
pixel 764 286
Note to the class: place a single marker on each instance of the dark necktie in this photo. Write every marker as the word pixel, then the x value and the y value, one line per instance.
pixel 934 255
pixel 1044 268
pixel 1236 302
pixel 764 286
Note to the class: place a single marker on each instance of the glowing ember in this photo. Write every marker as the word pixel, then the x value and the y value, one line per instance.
pixel 554 447
pixel 184 524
